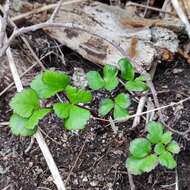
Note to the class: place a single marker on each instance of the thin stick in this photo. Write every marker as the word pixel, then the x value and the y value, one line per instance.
pixel 30 145
pixel 55 12
pixel 181 15
pixel 140 108
pixel 41 9
pixel 131 182
pixel 143 100
pixel 74 165
pixel 4 123
pixel 12 84
pixel 43 146
pixel 3 23
pixel 149 111
pixel 149 7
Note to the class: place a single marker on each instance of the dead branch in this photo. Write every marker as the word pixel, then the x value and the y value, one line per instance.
pixel 3 23
pixel 181 15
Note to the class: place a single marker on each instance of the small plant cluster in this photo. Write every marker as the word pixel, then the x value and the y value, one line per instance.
pixel 157 148
pixel 28 111
pixel 109 81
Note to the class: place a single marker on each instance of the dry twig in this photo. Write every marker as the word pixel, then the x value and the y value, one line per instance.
pixel 181 15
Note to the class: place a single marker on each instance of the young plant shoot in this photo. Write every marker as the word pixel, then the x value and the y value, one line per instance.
pixel 27 111
pixel 120 104
pixel 128 73
pixel 157 148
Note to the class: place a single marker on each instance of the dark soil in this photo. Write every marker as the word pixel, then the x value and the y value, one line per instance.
pixel 93 158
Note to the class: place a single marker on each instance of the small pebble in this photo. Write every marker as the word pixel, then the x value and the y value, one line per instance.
pixel 176 71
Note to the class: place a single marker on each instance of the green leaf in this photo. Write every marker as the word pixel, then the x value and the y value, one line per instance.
pixel 123 100
pixel 76 95
pixel 137 166
pixel 25 102
pixel 136 86
pixel 110 77
pixel 134 165
pixel 17 125
pixel 55 79
pixel 155 131
pixel 140 147
pixel 127 70
pixel 166 137
pixel 77 119
pixel 173 147
pixel 166 159
pixel 140 78
pixel 159 148
pixel 149 163
pixel 120 112
pixel 36 117
pixel 105 107
pixel 43 90
pixel 95 81
pixel 62 110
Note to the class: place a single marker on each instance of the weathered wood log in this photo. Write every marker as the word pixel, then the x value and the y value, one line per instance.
pixel 140 41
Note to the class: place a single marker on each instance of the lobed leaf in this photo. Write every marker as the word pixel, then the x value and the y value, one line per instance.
pixel 76 95
pixel 149 163
pixel 17 125
pixel 62 110
pixel 134 165
pixel 123 100
pixel 136 86
pixel 127 70
pixel 105 107
pixel 25 102
pixel 166 137
pixel 58 80
pixel 166 159
pixel 159 148
pixel 140 78
pixel 43 90
pixel 137 166
pixel 155 131
pixel 95 81
pixel 173 147
pixel 120 112
pixel 140 147
pixel 77 119
pixel 110 77
pixel 33 121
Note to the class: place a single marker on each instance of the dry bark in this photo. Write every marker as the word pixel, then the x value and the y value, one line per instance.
pixel 141 38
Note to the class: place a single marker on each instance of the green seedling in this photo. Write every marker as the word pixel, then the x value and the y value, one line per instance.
pixel 120 104
pixel 108 81
pixel 157 148
pixel 27 111
pixel 133 84
pixel 74 116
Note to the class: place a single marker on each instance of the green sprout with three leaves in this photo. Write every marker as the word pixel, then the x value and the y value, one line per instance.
pixel 27 111
pixel 157 148
pixel 120 104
